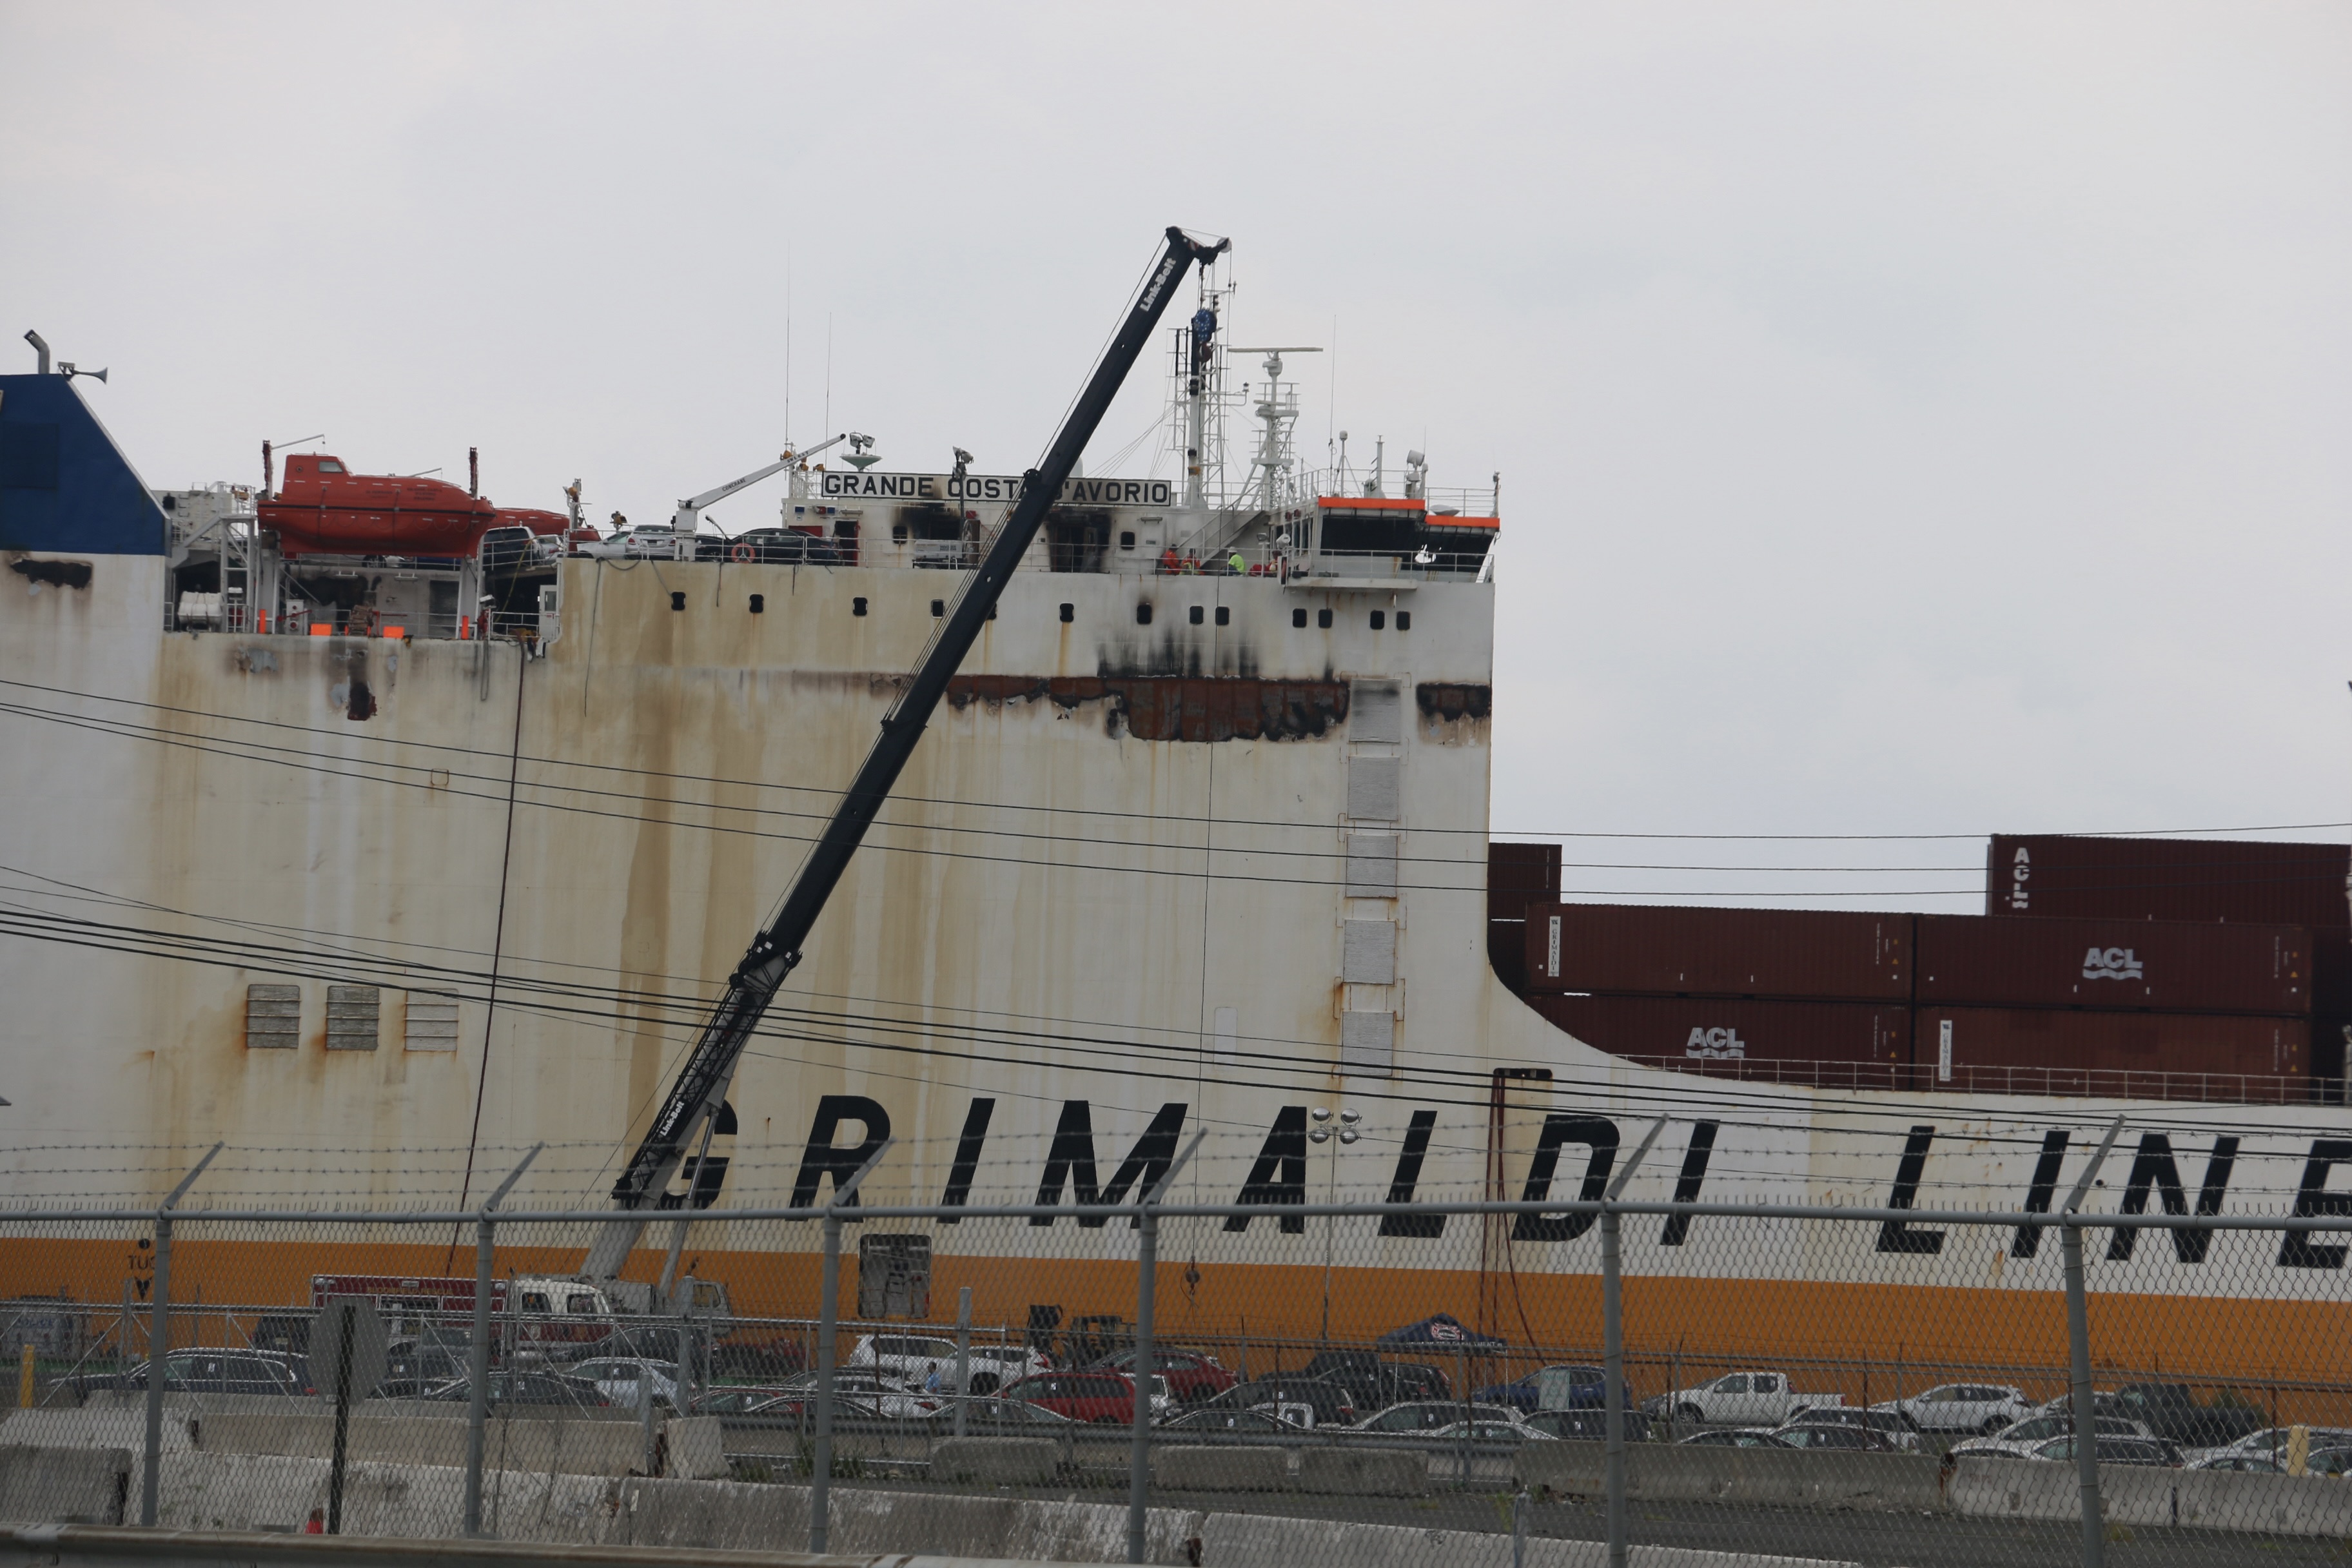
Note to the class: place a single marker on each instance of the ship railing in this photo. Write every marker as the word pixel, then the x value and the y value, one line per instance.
pixel 1431 566
pixel 2079 1083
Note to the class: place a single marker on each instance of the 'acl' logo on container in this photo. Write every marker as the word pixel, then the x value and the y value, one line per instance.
pixel 1715 1043
pixel 2110 963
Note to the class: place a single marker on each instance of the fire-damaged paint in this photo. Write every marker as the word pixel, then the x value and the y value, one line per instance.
pixel 1173 708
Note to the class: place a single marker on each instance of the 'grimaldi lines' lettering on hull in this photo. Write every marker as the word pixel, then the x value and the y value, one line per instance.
pixel 1195 840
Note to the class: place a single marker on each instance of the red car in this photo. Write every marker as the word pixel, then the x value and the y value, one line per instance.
pixel 1192 1376
pixel 1103 1396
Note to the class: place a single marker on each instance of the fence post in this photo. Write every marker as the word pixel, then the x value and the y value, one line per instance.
pixel 1139 1478
pixel 1146 1281
pixel 2086 1426
pixel 478 1355
pixel 2078 1355
pixel 159 1339
pixel 158 1344
pixel 1613 1347
pixel 963 1356
pixel 828 1314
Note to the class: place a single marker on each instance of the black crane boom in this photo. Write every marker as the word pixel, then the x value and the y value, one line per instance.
pixel 702 1086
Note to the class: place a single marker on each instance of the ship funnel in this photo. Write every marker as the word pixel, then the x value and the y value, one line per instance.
pixel 41 348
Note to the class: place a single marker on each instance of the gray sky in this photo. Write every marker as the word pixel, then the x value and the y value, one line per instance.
pixel 1912 419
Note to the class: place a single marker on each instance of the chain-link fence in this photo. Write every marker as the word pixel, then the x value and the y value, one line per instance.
pixel 1278 1383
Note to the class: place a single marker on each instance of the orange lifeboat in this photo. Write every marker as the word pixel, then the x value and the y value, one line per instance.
pixel 324 508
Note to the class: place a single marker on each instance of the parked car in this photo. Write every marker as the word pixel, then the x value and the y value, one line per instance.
pixel 1193 1376
pixel 2271 1442
pixel 2013 1442
pixel 2336 1462
pixel 2114 1451
pixel 1227 1420
pixel 2249 1463
pixel 888 1394
pixel 910 1358
pixel 506 549
pixel 993 1365
pixel 211 1372
pixel 1569 1387
pixel 641 542
pixel 771 546
pixel 738 1399
pixel 1303 1402
pixel 990 1413
pixel 1587 1426
pixel 2171 1412
pixel 616 1378
pixel 1891 1425
pixel 1963 1407
pixel 1489 1431
pixel 1814 1436
pixel 1742 1398
pixel 528 1388
pixel 1429 1414
pixel 1105 1397
pixel 1734 1437
pixel 1372 1382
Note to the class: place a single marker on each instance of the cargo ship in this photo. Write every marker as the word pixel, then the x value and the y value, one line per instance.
pixel 1197 841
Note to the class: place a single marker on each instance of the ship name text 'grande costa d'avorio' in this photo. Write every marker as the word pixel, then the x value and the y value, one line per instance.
pixel 382 834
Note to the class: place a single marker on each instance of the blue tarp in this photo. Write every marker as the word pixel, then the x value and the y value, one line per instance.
pixel 65 487
pixel 1441 1331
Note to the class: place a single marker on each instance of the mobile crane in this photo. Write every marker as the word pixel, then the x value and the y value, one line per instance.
pixel 694 1102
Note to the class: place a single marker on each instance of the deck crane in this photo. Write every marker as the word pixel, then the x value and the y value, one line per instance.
pixel 688 517
pixel 694 1100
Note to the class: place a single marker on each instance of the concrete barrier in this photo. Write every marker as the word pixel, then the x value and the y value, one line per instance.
pixel 997 1461
pixel 694 1450
pixel 99 1546
pixel 1363 1472
pixel 2135 1494
pixel 64 1486
pixel 745 1516
pixel 1213 1467
pixel 1250 1541
pixel 1903 1483
pixel 515 1443
pixel 93 1426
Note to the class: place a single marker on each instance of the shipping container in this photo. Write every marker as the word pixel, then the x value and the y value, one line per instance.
pixel 1516 875
pixel 2181 966
pixel 1674 949
pixel 2138 1055
pixel 2167 880
pixel 1845 1044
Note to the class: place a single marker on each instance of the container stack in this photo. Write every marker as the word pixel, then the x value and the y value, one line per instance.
pixel 2202 879
pixel 2116 986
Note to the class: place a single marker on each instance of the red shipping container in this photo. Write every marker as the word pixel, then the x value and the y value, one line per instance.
pixel 1679 950
pixel 2139 1056
pixel 1516 875
pixel 2182 966
pixel 2167 880
pixel 1696 1032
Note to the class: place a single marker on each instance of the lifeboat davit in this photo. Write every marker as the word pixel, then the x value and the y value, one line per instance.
pixel 324 508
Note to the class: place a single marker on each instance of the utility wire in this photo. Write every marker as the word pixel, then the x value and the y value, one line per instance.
pixel 831 790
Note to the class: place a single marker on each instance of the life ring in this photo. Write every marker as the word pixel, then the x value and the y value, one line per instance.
pixel 740 551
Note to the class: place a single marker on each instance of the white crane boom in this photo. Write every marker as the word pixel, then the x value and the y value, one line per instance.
pixel 687 519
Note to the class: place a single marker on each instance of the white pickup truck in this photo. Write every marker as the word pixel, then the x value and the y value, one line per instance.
pixel 1744 1399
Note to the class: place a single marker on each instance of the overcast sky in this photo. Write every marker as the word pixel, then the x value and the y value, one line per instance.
pixel 1912 419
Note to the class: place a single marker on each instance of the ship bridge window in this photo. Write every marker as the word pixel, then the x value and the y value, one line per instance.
pixel 1298 618
pixel 1195 616
pixel 1323 619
